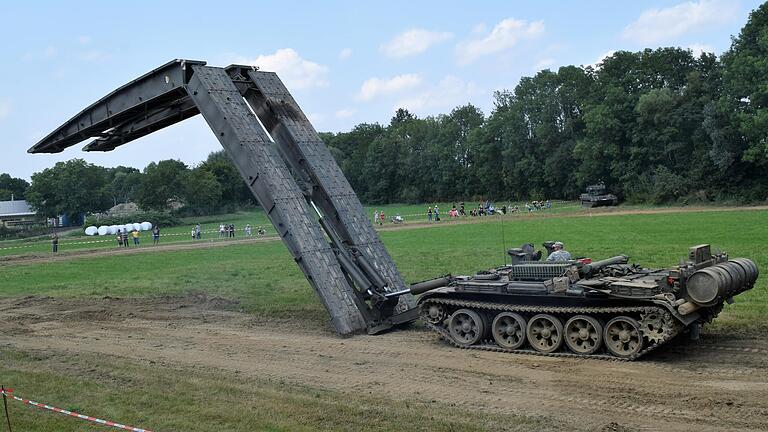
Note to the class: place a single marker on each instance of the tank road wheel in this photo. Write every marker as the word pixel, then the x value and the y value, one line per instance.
pixel 434 313
pixel 545 333
pixel 508 330
pixel 583 334
pixel 466 326
pixel 623 337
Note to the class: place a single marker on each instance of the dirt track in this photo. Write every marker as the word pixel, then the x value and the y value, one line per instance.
pixel 717 384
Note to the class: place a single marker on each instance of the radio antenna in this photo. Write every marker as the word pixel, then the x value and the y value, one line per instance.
pixel 503 241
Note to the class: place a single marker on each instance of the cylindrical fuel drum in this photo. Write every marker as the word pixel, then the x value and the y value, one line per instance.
pixel 713 284
pixel 708 284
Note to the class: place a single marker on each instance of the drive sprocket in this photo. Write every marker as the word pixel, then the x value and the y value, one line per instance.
pixel 656 326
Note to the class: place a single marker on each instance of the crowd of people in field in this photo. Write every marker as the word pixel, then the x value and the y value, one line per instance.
pixel 538 205
pixel 125 237
pixel 486 208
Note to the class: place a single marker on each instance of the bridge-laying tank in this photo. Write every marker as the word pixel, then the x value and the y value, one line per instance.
pixel 603 309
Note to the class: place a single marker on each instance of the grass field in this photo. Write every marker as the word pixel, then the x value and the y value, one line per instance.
pixel 263 278
pixel 74 240
pixel 77 240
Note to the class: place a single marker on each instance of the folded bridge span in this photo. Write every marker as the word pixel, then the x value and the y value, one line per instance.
pixel 285 164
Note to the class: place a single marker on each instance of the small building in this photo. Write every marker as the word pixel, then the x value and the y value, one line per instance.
pixel 17 214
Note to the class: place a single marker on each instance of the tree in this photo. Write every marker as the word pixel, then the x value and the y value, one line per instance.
pixel 163 183
pixel 746 72
pixel 455 158
pixel 233 190
pixel 350 149
pixel 12 187
pixel 69 188
pixel 202 190
pixel 123 184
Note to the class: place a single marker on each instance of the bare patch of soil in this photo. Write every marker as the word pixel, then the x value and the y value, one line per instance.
pixel 717 384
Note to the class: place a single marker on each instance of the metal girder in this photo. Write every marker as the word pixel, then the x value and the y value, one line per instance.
pixel 149 92
pixel 255 156
pixel 288 168
pixel 331 192
pixel 144 124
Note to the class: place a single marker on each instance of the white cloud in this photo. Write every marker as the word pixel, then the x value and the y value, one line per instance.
pixel 412 42
pixel 542 64
pixel 345 53
pixel 296 72
pixel 699 49
pixel 5 108
pixel 94 55
pixel 450 92
pixel 345 113
pixel 658 25
pixel 48 53
pixel 504 36
pixel 375 87
pixel 479 28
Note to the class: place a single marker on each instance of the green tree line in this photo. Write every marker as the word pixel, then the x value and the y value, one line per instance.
pixel 656 126
pixel 76 186
pixel 11 187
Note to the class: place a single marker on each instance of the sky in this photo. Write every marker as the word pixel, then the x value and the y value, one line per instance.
pixel 345 62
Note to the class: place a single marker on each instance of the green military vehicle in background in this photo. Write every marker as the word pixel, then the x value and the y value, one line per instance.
pixel 596 196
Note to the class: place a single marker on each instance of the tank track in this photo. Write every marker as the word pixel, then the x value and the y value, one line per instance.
pixel 490 345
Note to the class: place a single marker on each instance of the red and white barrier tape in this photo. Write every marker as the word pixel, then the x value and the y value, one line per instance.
pixel 9 393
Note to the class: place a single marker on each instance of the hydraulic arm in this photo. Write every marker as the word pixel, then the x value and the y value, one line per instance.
pixel 288 168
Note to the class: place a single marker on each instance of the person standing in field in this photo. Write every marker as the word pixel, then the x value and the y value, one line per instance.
pixel 429 214
pixel 376 217
pixel 135 234
pixel 198 231
pixel 381 217
pixel 55 242
pixel 125 238
pixel 222 229
pixel 119 238
pixel 437 214
pixel 232 230
pixel 156 235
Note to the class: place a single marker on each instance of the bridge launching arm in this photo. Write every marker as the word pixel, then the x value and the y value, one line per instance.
pixel 285 164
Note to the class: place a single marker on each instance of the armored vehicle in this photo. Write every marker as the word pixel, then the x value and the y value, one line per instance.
pixel 597 197
pixel 606 309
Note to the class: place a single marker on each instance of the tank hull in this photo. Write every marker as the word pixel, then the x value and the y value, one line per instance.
pixel 605 309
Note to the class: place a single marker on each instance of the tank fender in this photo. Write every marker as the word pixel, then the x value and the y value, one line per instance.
pixel 429 285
